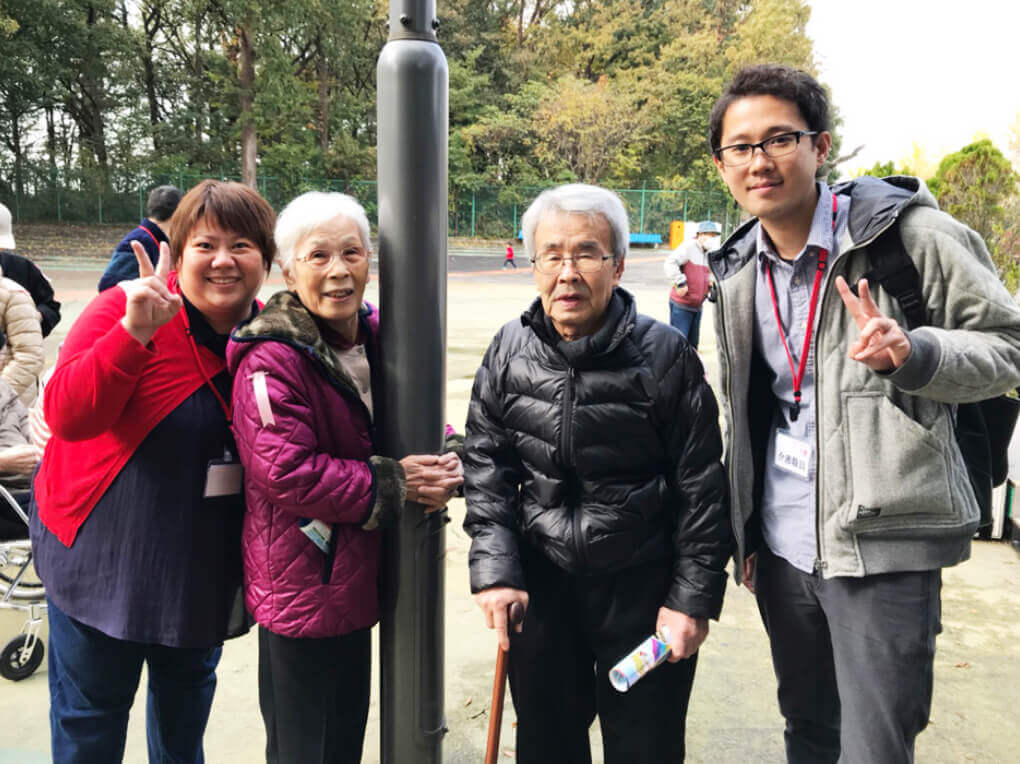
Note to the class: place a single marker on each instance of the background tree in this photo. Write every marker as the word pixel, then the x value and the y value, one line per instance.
pixel 541 91
pixel 596 132
pixel 885 169
pixel 1014 142
pixel 978 186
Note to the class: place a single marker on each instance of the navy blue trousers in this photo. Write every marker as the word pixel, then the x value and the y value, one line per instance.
pixel 93 679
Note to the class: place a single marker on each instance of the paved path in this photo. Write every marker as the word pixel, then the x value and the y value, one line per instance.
pixel 733 715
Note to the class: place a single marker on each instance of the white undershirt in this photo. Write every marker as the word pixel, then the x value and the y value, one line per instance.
pixel 355 363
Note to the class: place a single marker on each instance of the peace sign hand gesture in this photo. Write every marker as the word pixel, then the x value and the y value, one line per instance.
pixel 149 303
pixel 882 346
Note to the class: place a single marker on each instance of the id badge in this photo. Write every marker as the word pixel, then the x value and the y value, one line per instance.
pixel 223 477
pixel 793 454
pixel 318 532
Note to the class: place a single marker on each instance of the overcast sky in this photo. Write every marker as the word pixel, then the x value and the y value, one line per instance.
pixel 905 71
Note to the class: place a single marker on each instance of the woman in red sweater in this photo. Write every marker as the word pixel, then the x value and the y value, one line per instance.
pixel 136 528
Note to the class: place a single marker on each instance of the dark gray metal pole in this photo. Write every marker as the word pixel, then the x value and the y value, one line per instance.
pixel 412 115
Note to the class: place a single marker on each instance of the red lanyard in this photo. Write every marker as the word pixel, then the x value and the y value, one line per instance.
pixel 798 373
pixel 228 409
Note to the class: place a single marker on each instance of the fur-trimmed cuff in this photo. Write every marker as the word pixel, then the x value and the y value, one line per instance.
pixel 454 442
pixel 390 492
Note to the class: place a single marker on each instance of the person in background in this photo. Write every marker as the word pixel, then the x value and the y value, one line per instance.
pixel 595 495
pixel 508 261
pixel 18 457
pixel 27 273
pixel 318 493
pixel 21 356
pixel 38 431
pixel 150 233
pixel 136 528
pixel 687 269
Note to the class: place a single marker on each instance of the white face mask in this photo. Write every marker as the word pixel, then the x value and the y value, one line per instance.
pixel 711 243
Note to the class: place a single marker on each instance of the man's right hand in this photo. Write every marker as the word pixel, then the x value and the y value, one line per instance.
pixel 494 604
pixel 681 290
pixel 748 577
pixel 149 303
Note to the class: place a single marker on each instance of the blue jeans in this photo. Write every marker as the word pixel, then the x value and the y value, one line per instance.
pixel 687 320
pixel 93 679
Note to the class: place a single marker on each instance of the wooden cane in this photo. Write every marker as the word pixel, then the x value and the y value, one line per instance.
pixel 515 614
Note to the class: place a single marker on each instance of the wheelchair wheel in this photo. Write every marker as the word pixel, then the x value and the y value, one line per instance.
pixel 15 663
pixel 14 562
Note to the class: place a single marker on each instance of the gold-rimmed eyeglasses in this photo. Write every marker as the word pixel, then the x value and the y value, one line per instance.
pixel 320 259
pixel 552 262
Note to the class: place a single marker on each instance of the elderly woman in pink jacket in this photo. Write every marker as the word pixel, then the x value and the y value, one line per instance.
pixel 317 492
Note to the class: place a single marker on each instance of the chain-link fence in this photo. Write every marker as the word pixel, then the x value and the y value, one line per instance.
pixel 488 212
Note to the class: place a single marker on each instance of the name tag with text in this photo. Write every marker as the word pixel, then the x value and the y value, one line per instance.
pixel 793 455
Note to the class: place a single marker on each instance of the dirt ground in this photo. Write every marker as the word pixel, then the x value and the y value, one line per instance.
pixel 733 715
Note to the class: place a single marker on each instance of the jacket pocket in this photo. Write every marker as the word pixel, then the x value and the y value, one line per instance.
pixel 899 471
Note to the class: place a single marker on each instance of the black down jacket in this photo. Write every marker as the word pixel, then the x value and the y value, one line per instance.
pixel 603 453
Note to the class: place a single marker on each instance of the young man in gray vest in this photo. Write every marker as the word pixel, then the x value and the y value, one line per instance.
pixel 849 493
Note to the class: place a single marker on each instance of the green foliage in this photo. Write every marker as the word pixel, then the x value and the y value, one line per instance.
pixel 8 26
pixel 885 169
pixel 541 91
pixel 973 183
pixel 978 186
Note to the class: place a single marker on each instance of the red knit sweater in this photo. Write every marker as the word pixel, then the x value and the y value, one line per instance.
pixel 106 395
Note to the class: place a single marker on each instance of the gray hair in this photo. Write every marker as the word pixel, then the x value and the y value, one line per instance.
pixel 309 211
pixel 581 199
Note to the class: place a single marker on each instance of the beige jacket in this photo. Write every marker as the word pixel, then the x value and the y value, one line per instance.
pixel 22 357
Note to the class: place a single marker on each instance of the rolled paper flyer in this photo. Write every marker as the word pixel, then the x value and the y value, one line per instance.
pixel 640 661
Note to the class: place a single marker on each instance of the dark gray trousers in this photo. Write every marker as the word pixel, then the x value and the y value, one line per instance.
pixel 853 657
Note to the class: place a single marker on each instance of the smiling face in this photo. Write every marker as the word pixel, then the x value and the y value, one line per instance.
pixel 329 273
pixel 776 190
pixel 220 272
pixel 575 302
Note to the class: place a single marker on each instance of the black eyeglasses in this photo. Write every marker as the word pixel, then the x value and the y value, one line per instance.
pixel 776 146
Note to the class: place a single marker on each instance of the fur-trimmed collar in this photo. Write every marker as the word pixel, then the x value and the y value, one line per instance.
pixel 286 319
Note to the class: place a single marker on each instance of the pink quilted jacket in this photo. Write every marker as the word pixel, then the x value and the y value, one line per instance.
pixel 305 440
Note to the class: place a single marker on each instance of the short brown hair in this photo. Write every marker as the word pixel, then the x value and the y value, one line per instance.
pixel 233 207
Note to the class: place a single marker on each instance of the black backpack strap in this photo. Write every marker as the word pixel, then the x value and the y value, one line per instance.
pixel 892 268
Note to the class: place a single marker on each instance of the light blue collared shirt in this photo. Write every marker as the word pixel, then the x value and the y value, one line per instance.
pixel 788 501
